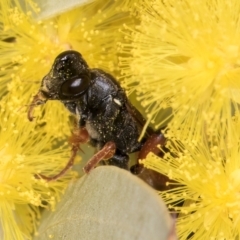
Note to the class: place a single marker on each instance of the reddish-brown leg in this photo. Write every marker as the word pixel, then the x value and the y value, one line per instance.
pixel 105 153
pixel 151 145
pixel 79 136
pixel 64 170
pixel 153 178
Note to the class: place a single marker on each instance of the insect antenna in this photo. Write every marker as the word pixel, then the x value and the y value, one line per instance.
pixel 37 100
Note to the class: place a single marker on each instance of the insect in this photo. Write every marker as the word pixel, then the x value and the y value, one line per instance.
pixel 105 117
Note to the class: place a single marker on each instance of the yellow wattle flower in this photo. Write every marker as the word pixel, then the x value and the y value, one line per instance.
pixel 25 152
pixel 185 55
pixel 207 172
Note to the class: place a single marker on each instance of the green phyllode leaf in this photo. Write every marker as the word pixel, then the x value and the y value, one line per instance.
pixel 108 203
pixel 52 8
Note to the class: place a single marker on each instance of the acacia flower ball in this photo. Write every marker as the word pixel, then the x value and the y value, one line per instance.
pixel 207 193
pixel 24 153
pixel 185 55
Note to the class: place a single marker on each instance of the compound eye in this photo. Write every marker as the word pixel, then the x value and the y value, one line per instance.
pixel 75 86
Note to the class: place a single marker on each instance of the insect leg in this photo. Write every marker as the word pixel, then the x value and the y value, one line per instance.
pixel 106 152
pixel 64 170
pixel 119 160
pixel 153 178
pixel 78 136
pixel 151 145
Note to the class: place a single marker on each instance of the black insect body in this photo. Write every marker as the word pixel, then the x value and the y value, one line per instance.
pixel 105 117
